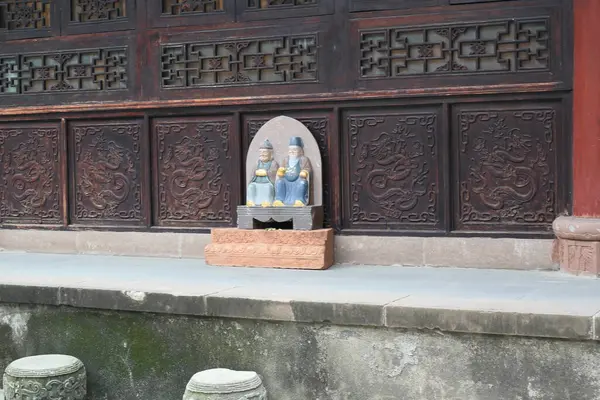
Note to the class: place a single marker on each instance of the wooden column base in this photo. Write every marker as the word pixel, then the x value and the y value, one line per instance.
pixel 272 249
pixel 577 247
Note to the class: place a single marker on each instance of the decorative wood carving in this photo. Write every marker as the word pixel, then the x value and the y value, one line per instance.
pixel 97 10
pixel 393 171
pixel 196 173
pixel 30 174
pixel 77 70
pixel 286 59
pixel 319 127
pixel 265 4
pixel 515 45
pixel 507 168
pixel 182 7
pixel 107 172
pixel 24 14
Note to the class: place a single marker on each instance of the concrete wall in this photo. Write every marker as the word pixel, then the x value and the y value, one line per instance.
pixel 475 252
pixel 150 356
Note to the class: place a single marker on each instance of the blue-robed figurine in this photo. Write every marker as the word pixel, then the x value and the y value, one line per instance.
pixel 261 190
pixel 292 184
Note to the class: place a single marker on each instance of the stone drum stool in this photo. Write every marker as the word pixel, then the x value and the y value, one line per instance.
pixel 45 377
pixel 225 384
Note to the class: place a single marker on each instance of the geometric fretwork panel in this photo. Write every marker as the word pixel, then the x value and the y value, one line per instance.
pixel 97 10
pixel 283 59
pixel 24 14
pixel 393 171
pixel 320 129
pixel 184 7
pixel 195 172
pixel 507 168
pixel 107 172
pixel 64 71
pixel 497 46
pixel 276 4
pixel 30 181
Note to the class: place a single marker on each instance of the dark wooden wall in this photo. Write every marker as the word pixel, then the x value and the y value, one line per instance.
pixel 434 117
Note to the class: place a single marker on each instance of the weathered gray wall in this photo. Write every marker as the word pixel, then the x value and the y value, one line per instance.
pixel 149 356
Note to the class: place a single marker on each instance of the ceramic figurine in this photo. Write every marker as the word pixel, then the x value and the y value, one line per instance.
pixel 292 184
pixel 261 189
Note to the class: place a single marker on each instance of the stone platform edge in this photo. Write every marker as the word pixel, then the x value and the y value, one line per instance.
pixel 508 318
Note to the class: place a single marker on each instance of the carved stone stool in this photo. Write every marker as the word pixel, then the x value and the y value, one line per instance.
pixel 225 384
pixel 45 377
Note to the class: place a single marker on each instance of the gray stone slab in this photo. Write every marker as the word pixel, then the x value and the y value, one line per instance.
pixel 303 218
pixel 525 303
pixel 302 304
pixel 558 319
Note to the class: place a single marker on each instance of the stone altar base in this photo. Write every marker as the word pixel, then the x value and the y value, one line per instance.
pixel 303 218
pixel 270 248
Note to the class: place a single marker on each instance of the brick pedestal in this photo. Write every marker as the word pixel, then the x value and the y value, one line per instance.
pixel 273 249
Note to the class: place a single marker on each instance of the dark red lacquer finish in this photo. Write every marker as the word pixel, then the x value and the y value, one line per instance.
pixel 433 117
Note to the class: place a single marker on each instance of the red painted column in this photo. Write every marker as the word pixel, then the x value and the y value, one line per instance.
pixel 586 109
pixel 578 246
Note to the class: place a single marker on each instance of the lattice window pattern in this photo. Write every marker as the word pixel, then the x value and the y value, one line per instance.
pixel 24 14
pixel 179 7
pixel 98 10
pixel 289 59
pixel 77 70
pixel 265 4
pixel 500 46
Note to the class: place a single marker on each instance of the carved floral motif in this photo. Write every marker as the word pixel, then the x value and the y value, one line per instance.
pixel 71 388
pixel 393 169
pixel 192 158
pixel 30 175
pixel 507 171
pixel 107 171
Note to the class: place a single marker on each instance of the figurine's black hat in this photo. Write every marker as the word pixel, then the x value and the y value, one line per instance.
pixel 296 141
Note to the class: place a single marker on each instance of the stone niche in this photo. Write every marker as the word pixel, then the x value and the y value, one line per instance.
pixel 279 190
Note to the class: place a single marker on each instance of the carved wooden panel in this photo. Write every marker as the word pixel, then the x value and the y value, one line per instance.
pixel 165 13
pixel 86 16
pixel 98 10
pixel 374 5
pixel 196 174
pixel 507 172
pixel 20 19
pixel 320 127
pixel 512 45
pixel 393 172
pixel 277 9
pixel 90 70
pixel 30 173
pixel 107 172
pixel 265 4
pixel 283 59
pixel 183 7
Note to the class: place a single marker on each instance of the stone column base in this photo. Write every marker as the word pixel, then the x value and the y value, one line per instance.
pixel 577 248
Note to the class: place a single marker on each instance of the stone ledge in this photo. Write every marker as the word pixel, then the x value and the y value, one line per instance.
pixel 474 252
pixel 498 318
pixel 515 303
